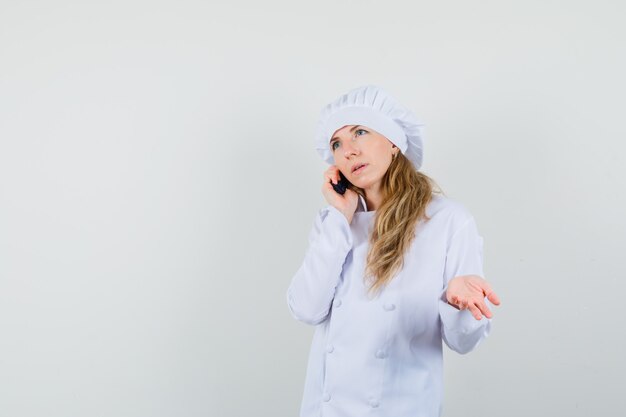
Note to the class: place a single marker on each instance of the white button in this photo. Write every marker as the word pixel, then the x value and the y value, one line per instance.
pixel 337 303
pixel 389 306
pixel 381 354
pixel 374 403
pixel 326 397
pixel 330 348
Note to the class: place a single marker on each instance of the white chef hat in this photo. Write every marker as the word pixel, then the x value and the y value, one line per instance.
pixel 373 107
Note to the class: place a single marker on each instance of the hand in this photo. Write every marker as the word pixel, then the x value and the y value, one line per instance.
pixel 345 203
pixel 469 291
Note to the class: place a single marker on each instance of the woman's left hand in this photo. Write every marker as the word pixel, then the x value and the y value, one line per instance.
pixel 469 291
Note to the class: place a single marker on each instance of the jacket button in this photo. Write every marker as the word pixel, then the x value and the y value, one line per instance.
pixel 380 354
pixel 326 397
pixel 389 306
pixel 330 348
pixel 374 403
pixel 337 303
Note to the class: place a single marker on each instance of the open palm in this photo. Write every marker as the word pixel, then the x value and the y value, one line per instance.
pixel 469 292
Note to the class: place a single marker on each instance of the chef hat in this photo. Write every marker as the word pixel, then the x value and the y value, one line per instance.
pixel 373 107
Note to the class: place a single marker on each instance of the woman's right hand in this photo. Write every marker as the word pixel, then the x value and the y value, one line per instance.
pixel 345 203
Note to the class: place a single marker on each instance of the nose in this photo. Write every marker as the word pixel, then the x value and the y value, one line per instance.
pixel 350 149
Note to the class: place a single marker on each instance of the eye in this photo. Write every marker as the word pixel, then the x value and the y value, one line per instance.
pixel 332 146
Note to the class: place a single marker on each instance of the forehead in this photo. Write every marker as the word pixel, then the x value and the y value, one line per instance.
pixel 343 130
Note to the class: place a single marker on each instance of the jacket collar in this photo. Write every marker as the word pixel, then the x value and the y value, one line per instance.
pixel 362 206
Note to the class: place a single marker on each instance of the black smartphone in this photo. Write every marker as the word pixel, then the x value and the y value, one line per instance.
pixel 342 184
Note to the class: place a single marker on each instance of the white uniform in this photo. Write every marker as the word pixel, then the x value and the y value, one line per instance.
pixel 383 356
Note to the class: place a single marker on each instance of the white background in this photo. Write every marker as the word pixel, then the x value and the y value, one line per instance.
pixel 158 180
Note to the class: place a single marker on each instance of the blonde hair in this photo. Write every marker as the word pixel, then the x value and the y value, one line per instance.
pixel 405 195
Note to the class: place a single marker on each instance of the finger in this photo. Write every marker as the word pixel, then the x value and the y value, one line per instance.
pixel 475 311
pixel 337 174
pixel 484 309
pixel 452 299
pixel 456 300
pixel 485 286
pixel 453 304
pixel 493 297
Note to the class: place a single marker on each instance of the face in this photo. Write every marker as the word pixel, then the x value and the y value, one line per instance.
pixel 356 144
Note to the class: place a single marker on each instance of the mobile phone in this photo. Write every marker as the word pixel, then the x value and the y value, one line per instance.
pixel 342 184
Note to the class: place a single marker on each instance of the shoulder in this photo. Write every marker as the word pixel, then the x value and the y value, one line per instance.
pixel 449 211
pixel 446 206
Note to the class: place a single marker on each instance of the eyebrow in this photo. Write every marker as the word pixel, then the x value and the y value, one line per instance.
pixel 336 138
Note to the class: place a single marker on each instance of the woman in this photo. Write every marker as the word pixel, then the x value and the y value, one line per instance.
pixel 393 268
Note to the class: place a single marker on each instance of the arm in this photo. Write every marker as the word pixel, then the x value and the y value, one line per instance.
pixel 312 288
pixel 460 329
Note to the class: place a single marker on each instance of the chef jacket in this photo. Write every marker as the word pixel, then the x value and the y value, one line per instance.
pixel 382 356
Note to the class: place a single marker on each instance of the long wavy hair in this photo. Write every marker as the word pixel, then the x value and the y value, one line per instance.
pixel 405 194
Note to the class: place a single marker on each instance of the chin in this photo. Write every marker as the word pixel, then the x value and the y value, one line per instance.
pixel 361 184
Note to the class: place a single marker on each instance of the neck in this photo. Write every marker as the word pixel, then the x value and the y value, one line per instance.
pixel 373 198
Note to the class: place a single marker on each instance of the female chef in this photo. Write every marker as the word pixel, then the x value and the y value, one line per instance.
pixel 393 269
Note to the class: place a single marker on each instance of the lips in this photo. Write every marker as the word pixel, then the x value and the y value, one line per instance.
pixel 357 166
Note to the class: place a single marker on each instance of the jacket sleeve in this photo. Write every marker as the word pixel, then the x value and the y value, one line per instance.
pixel 464 256
pixel 312 288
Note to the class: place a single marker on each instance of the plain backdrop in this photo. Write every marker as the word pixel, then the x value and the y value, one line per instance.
pixel 158 180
